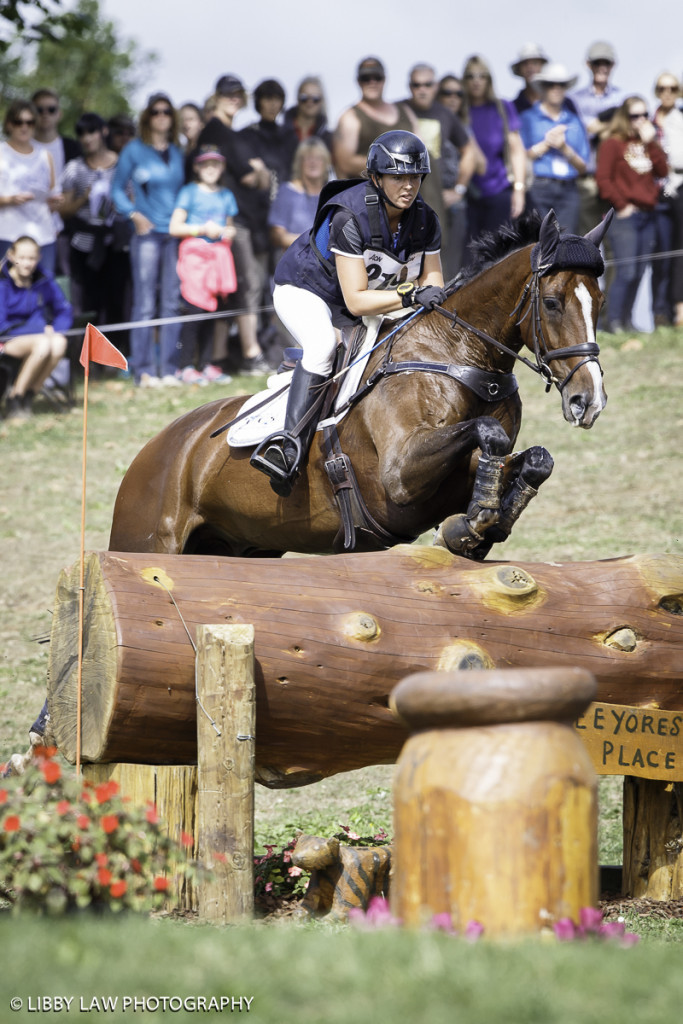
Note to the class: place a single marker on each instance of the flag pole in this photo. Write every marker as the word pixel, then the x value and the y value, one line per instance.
pixel 81 579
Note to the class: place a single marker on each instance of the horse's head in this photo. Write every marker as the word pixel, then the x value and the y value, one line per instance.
pixel 558 316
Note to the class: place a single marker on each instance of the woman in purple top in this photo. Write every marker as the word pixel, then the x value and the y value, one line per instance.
pixel 498 195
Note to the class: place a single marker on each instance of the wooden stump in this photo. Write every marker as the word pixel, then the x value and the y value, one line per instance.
pixel 653 839
pixel 495 800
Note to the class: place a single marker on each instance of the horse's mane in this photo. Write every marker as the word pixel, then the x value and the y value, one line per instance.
pixel 491 247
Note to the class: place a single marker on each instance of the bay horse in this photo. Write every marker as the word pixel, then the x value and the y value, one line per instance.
pixel 429 441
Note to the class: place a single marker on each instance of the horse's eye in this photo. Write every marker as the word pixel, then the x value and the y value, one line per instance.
pixel 552 305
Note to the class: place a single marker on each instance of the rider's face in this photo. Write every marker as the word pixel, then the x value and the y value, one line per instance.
pixel 401 189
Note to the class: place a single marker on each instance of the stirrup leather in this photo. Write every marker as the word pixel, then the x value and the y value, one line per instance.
pixel 270 457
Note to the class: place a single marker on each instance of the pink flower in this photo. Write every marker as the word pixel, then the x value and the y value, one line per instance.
pixel 151 815
pixel 268 886
pixel 442 923
pixel 293 871
pixel 63 807
pixel 350 834
pixel 590 919
pixel 378 915
pixel 565 929
pixel 474 931
pixel 82 820
pixel 186 839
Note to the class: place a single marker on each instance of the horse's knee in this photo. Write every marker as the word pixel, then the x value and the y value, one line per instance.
pixel 491 436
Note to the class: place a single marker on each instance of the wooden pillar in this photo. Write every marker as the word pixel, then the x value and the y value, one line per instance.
pixel 495 802
pixel 226 721
pixel 653 839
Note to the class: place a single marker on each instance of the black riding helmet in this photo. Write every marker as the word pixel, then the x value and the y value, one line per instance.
pixel 398 152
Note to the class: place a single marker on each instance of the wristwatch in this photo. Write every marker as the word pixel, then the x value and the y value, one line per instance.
pixel 405 290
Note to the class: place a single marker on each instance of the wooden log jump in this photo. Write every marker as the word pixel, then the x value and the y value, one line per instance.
pixel 334 635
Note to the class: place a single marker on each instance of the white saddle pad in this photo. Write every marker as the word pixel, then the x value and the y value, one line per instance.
pixel 269 417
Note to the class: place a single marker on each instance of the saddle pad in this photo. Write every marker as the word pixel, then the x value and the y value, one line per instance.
pixel 269 417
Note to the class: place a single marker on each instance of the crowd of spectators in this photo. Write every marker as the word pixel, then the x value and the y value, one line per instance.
pixel 109 209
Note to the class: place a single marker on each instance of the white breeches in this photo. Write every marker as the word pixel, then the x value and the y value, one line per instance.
pixel 309 320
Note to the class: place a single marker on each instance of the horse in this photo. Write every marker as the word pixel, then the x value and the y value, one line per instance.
pixel 429 438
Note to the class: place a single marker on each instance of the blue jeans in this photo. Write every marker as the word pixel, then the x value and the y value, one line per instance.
pixel 661 269
pixel 153 260
pixel 560 195
pixel 631 237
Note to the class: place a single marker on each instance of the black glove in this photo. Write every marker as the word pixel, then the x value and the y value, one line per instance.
pixel 429 295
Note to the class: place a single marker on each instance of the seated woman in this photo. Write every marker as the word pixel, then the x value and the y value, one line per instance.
pixel 381 254
pixel 293 209
pixel 33 315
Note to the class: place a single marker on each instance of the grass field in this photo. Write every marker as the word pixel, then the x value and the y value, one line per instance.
pixel 615 490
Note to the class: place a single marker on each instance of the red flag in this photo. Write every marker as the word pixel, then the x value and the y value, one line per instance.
pixel 98 349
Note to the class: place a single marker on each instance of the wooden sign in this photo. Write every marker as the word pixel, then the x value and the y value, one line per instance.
pixel 644 742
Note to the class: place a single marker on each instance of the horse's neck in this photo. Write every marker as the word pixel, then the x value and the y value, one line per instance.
pixel 487 302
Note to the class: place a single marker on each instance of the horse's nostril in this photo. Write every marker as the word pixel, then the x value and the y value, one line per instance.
pixel 577 406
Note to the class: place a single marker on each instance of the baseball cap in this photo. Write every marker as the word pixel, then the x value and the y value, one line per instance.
pixel 529 51
pixel 227 85
pixel 601 51
pixel 371 64
pixel 208 153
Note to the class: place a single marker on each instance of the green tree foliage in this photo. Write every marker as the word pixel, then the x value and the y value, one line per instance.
pixel 36 20
pixel 85 61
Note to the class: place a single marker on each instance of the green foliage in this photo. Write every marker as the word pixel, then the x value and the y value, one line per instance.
pixel 35 20
pixel 90 67
pixel 67 845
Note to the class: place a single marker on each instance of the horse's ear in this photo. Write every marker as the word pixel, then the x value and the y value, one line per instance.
pixel 548 241
pixel 597 234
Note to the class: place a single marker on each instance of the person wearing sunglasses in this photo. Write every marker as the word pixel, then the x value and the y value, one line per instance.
pixel 497 195
pixel 596 102
pixel 630 162
pixel 667 275
pixel 147 179
pixel 61 148
pixel 28 191
pixel 439 129
pixel 360 125
pixel 308 117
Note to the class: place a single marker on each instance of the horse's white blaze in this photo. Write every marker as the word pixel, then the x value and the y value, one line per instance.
pixel 586 303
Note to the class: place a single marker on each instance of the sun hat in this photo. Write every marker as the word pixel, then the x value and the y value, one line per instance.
pixel 601 51
pixel 529 51
pixel 555 74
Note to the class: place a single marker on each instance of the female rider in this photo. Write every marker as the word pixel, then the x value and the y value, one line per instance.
pixel 373 249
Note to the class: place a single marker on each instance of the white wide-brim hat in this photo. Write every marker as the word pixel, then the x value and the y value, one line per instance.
pixel 555 74
pixel 530 51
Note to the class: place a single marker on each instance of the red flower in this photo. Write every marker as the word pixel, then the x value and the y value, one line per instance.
pixel 63 807
pixel 104 876
pixel 51 771
pixel 106 790
pixel 45 752
pixel 161 883
pixel 12 823
pixel 152 816
pixel 109 823
pixel 3 792
pixel 82 820
pixel 101 859
pixel 136 866
pixel 118 889
pixel 186 839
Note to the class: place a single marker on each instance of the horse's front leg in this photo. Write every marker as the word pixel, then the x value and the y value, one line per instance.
pixel 524 474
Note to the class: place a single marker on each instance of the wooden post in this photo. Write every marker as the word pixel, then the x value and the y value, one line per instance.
pixel 226 722
pixel 653 839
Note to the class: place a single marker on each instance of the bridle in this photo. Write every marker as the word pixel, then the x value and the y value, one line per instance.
pixel 531 299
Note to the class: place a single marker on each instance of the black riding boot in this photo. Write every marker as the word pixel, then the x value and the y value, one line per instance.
pixel 281 455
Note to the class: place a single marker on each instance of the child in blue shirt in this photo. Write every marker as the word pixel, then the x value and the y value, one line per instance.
pixel 204 209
